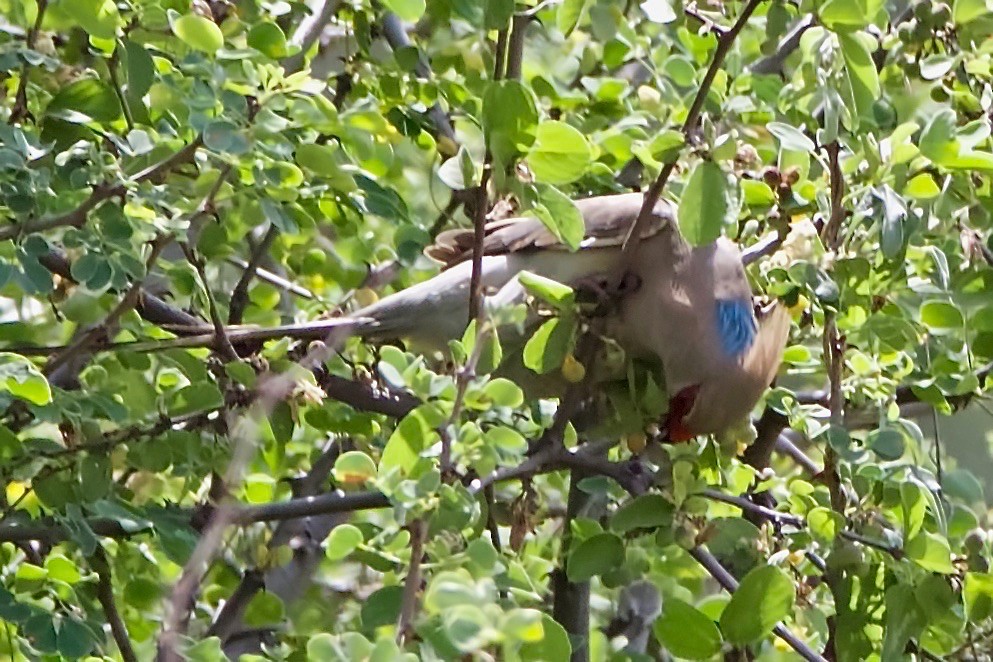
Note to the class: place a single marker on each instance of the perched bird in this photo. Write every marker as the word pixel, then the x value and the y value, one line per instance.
pixel 691 307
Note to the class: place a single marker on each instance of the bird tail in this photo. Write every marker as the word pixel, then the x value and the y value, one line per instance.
pixel 332 329
pixel 766 354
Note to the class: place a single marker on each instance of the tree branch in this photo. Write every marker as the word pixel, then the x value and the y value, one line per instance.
pixel 412 584
pixel 239 296
pixel 129 301
pixel 309 31
pixel 724 43
pixel 105 595
pixel 396 35
pixel 103 191
pixel 19 110
pixel 730 584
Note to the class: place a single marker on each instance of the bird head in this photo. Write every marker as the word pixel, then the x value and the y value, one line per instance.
pixel 727 396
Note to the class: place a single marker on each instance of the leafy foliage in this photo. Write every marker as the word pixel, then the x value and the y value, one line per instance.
pixel 176 175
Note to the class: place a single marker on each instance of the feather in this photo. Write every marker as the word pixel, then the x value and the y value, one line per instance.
pixel 736 326
pixel 607 220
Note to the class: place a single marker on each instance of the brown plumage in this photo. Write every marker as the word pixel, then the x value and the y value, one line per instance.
pixel 692 310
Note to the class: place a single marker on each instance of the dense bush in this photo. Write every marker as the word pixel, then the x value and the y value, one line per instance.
pixel 176 176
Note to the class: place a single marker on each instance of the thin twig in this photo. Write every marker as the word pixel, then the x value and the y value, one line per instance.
pixel 479 237
pixel 396 37
pixel 19 111
pixel 515 49
pixel 273 279
pixel 787 45
pixel 692 11
pixel 830 233
pixel 243 435
pixel 730 584
pixel 463 378
pixel 115 80
pixel 748 506
pixel 239 296
pixel 105 594
pixel 724 43
pixel 222 343
pixel 127 302
pixel 308 32
pixel 412 585
pixel 102 191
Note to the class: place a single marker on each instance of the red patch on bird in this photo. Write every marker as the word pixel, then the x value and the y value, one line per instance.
pixel 679 407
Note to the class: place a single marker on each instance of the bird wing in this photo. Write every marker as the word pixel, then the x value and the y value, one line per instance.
pixel 607 217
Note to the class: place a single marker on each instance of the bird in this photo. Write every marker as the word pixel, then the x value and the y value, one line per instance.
pixel 691 307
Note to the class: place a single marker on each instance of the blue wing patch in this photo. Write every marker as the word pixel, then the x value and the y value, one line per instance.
pixel 736 325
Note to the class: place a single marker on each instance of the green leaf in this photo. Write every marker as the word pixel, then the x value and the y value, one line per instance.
pixel 198 32
pixel 938 141
pixel 196 397
pixel 92 98
pixel 686 631
pixel 344 539
pixel 99 18
pixel 887 443
pixel 790 138
pixel 757 194
pixel 904 620
pixel 554 644
pixel 894 212
pixel 931 552
pixel 704 204
pixel 74 640
pixel 62 569
pixel 524 625
pixel 594 556
pixel 941 316
pixel 459 172
pixel 844 15
pixel 978 595
pixel 265 608
pixel 825 523
pixel 547 348
pixel 966 11
pixel 551 292
pixel 382 607
pixel 141 69
pixel 648 511
pixel 510 116
pixel 560 154
pixel 862 75
pixel 922 187
pixel 764 597
pixel 934 67
pixel 225 137
pixel 452 588
pixel 319 159
pixel 407 10
pixel 269 39
pixel 466 627
pixel 561 216
pixel 417 431
pixel 354 467
pixel 497 14
pixel 570 13
pixel 20 378
pixel 503 393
